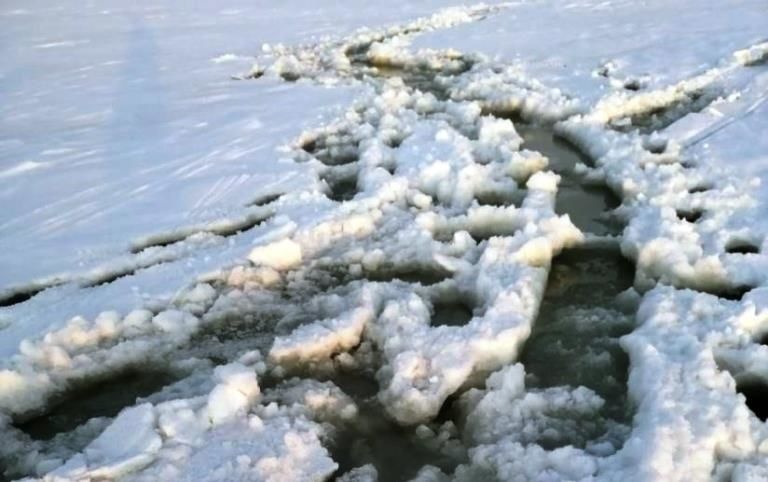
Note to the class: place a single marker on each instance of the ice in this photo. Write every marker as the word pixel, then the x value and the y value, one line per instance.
pixel 584 46
pixel 668 411
pixel 321 401
pixel 280 255
pixel 266 442
pixel 85 349
pixel 436 160
pixel 508 412
pixel 128 444
pixel 321 340
pixel 347 247
pixel 513 461
pixel 90 129
pixel 233 396
pixel 366 473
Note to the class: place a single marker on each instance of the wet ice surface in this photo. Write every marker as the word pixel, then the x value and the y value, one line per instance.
pixel 574 341
pixel 575 338
pixel 587 205
pixel 395 451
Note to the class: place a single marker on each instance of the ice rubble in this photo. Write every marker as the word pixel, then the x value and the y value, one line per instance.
pixel 663 198
pixel 683 219
pixel 182 436
pixel 504 280
pixel 325 61
pixel 418 167
pixel 503 276
pixel 85 349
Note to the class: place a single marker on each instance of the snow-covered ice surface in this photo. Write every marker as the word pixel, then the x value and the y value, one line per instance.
pixel 121 122
pixel 389 253
pixel 590 47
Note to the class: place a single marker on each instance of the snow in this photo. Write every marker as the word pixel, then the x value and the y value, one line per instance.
pixel 655 43
pixel 87 169
pixel 233 396
pixel 392 181
pixel 280 255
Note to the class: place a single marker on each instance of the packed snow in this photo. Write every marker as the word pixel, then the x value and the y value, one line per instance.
pixel 366 302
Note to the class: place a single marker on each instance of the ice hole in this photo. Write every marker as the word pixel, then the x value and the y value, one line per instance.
pixel 393 450
pixel 265 199
pixel 756 394
pixel 504 112
pixel 289 76
pixel 700 188
pixel 418 78
pixel 254 74
pixel 633 84
pixel 757 60
pixel 105 398
pixel 741 246
pixel 303 283
pixel 21 295
pixel 733 293
pixel 483 233
pixel 341 156
pixel 223 340
pixel 451 313
pixel 500 198
pixel 410 274
pixel 358 385
pixel 310 145
pixel 690 215
pixel 452 410
pixel 357 53
pixel 242 327
pixel 342 189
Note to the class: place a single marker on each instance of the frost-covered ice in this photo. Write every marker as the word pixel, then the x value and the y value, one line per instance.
pixel 392 255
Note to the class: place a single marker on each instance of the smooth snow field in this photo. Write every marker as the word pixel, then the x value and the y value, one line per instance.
pixel 348 241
